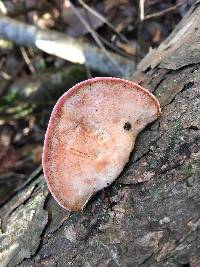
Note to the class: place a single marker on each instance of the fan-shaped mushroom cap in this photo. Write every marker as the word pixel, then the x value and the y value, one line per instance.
pixel 91 133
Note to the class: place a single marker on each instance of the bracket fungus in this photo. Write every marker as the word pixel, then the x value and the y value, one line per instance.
pixel 90 136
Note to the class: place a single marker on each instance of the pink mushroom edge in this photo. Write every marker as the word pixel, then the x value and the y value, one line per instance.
pixel 90 135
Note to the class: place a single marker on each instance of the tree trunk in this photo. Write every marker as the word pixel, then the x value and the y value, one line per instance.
pixel 154 223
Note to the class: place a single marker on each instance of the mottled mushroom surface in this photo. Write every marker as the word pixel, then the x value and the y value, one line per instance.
pixel 91 133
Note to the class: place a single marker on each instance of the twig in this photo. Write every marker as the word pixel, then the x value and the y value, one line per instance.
pixel 115 48
pixel 142 10
pixel 8 80
pixel 5 76
pixel 27 60
pixel 162 13
pixel 3 9
pixel 103 19
pixel 106 42
pixel 94 35
pixel 112 46
pixel 63 46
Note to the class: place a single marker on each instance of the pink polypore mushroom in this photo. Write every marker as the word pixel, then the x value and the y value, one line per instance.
pixel 91 133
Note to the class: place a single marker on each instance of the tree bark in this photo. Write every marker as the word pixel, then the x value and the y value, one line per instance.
pixel 154 223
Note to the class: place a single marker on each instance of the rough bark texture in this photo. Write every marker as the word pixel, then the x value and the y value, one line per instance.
pixel 154 223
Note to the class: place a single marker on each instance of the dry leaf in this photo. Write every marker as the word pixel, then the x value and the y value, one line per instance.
pixel 130 48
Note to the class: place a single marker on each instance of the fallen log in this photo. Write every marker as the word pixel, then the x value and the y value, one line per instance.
pixel 154 223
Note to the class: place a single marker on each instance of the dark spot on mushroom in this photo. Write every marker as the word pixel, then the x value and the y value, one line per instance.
pixel 107 183
pixel 127 126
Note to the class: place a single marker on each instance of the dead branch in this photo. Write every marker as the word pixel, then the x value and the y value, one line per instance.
pixel 63 46
pixel 163 12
